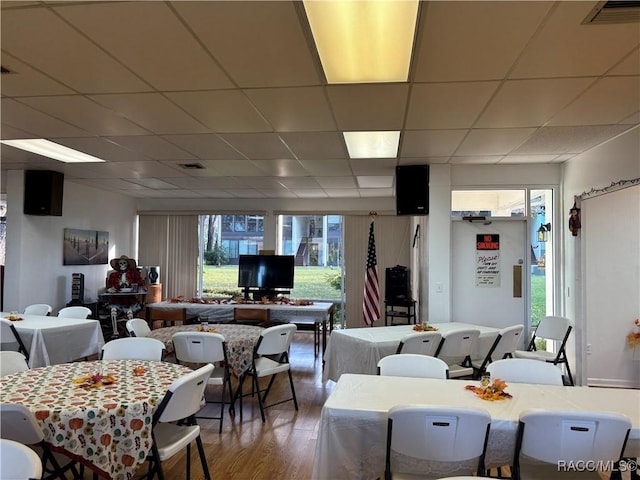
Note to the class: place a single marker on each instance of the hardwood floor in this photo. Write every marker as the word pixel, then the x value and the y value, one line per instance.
pixel 282 448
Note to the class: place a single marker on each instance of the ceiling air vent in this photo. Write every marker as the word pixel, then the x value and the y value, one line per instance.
pixel 614 12
pixel 4 70
pixel 192 166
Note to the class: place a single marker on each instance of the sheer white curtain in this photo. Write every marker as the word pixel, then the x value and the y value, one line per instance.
pixel 393 246
pixel 171 241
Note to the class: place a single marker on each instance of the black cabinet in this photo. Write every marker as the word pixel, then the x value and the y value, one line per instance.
pixel 400 312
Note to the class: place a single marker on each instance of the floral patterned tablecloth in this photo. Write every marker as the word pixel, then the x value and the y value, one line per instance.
pixel 240 339
pixel 107 426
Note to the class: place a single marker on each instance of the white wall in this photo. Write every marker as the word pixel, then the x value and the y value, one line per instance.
pixel 34 272
pixel 618 159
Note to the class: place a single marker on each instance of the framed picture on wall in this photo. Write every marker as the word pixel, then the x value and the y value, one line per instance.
pixel 85 247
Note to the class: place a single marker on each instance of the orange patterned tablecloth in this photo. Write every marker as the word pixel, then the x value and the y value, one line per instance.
pixel 240 339
pixel 109 426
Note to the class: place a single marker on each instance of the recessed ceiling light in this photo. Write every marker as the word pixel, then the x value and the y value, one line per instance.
pixel 363 41
pixel 372 144
pixel 53 150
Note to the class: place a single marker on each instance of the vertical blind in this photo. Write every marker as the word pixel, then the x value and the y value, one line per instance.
pixel 171 242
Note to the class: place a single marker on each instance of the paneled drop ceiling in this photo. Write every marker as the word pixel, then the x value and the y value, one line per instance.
pixel 237 88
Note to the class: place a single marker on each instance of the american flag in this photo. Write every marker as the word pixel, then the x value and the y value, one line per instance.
pixel 371 303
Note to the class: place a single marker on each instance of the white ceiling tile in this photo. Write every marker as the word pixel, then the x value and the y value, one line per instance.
pixel 8 132
pixel 205 146
pixel 302 109
pixel 567 139
pixel 523 159
pixel 25 118
pixel 300 182
pixel 447 105
pixel 153 112
pixel 277 193
pixel 475 160
pixel 258 145
pixel 134 169
pixel 25 80
pixel 215 193
pixel 316 145
pixel 375 166
pixel 83 113
pixel 493 141
pixel 342 192
pixel 281 168
pixel 101 148
pixel 154 183
pixel 482 37
pixel 610 100
pixel 258 43
pixel 537 100
pixel 55 47
pixel 369 107
pixel 328 168
pixel 310 193
pixel 151 41
pixel 337 183
pixel 246 193
pixel 370 181
pixel 222 110
pixel 376 192
pixel 430 143
pixel 153 147
pixel 567 48
pixel 629 65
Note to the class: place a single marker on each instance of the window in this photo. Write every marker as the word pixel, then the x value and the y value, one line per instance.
pixel 488 203
pixel 223 238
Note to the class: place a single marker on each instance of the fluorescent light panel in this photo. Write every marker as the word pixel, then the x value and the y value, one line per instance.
pixel 372 144
pixel 53 150
pixel 363 41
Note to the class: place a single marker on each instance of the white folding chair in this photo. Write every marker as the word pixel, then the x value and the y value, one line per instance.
pixel 138 327
pixel 456 349
pixel 19 424
pixel 204 347
pixel 422 343
pixel 19 462
pixel 504 346
pixel 74 312
pixel 550 328
pixel 180 404
pixel 12 362
pixel 525 370
pixel 452 438
pixel 413 365
pixel 565 438
pixel 133 348
pixel 9 335
pixel 38 309
pixel 273 342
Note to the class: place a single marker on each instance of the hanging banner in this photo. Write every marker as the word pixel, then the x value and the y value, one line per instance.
pixel 488 260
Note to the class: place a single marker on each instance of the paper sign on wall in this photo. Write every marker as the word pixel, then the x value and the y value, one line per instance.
pixel 487 260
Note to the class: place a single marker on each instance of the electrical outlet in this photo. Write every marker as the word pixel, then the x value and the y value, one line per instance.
pixel 588 349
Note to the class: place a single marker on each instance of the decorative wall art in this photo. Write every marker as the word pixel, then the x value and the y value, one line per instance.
pixel 85 247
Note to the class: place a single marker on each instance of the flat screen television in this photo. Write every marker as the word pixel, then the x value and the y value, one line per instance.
pixel 265 274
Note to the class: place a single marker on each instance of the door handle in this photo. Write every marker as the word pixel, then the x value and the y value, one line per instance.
pixel 517 281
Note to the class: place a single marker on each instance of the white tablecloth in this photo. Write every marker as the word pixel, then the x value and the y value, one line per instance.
pixel 54 340
pixel 358 350
pixel 353 423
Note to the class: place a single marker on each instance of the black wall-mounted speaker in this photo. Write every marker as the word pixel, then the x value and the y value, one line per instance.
pixel 412 189
pixel 43 191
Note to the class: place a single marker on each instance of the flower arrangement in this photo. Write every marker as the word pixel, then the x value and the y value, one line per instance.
pixel 492 392
pixel 633 338
pixel 424 327
pixel 94 381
